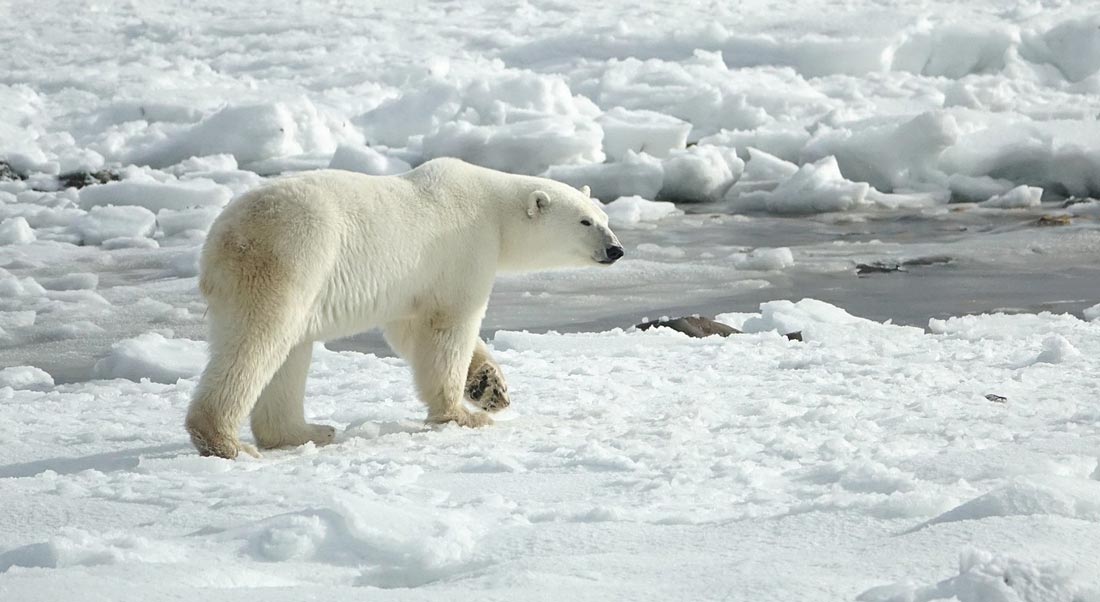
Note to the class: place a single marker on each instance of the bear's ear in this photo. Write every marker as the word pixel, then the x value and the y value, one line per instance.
pixel 586 191
pixel 537 202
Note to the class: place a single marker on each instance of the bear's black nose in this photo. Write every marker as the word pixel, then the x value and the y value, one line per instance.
pixel 614 252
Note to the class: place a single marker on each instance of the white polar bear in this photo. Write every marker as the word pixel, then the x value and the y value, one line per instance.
pixel 330 253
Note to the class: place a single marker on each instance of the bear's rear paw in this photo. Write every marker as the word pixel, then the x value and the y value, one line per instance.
pixel 463 417
pixel 319 434
pixel 486 388
pixel 210 443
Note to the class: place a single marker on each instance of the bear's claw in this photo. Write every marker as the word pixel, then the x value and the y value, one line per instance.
pixel 487 389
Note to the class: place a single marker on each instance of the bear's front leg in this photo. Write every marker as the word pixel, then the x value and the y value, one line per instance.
pixel 441 350
pixel 485 385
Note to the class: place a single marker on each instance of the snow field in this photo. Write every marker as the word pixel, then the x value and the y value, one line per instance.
pixel 871 442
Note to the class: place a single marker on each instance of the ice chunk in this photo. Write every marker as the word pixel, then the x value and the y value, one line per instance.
pixel 814 188
pixel 636 175
pixel 153 356
pixel 653 133
pixel 1092 313
pixel 365 159
pixel 1017 198
pixel 1056 350
pixel 763 172
pixel 144 191
pixel 525 147
pixel 251 133
pixel 25 377
pixel 1072 46
pixel 418 111
pixel 700 173
pixel 173 222
pixel 16 231
pixel 888 156
pixel 109 222
pixel 976 189
pixel 72 282
pixel 629 211
pixel 765 259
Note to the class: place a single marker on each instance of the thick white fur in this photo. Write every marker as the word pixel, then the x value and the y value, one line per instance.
pixel 330 253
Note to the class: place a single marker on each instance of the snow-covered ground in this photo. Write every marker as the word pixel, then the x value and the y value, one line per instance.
pixel 956 143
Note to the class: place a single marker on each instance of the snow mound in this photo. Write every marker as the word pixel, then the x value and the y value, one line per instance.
pixel 77 547
pixel 152 356
pixel 394 546
pixel 638 174
pixel 641 131
pixel 365 159
pixel 814 188
pixel 16 231
pixel 145 191
pixel 1056 350
pixel 987 577
pixel 632 210
pixel 1018 198
pixel 25 377
pixel 1068 497
pixel 103 224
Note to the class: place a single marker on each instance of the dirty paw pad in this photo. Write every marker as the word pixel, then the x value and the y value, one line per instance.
pixel 487 389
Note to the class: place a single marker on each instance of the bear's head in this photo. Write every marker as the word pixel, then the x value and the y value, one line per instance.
pixel 563 227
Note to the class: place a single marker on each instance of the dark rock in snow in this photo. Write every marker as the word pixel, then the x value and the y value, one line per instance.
pixel 996 398
pixel 693 326
pixel 80 179
pixel 877 267
pixel 8 173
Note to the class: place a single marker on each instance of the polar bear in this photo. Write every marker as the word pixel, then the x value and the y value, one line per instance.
pixel 329 253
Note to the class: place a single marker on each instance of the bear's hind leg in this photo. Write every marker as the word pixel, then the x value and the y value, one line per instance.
pixel 278 420
pixel 439 353
pixel 243 358
pixel 485 384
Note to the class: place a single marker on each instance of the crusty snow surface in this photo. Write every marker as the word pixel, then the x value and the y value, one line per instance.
pixel 953 459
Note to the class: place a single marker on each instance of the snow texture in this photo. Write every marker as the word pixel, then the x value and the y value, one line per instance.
pixel 951 455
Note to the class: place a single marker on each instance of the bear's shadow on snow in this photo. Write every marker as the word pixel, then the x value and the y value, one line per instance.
pixel 124 459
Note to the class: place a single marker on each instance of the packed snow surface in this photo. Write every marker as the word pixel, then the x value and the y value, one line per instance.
pixel 934 436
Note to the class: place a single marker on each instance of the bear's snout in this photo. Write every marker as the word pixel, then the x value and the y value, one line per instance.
pixel 613 254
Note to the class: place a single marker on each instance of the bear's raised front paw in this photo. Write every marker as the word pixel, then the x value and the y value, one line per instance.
pixel 486 388
pixel 463 417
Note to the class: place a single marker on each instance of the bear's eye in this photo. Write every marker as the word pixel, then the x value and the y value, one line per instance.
pixel 585 222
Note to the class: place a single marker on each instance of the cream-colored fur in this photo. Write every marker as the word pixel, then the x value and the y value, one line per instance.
pixel 330 253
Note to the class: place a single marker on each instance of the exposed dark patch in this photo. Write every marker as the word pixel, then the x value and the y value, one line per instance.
pixel 886 267
pixel 693 326
pixel 930 260
pixel 1055 220
pixel 996 398
pixel 486 388
pixel 878 267
pixel 700 327
pixel 80 179
pixel 8 173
